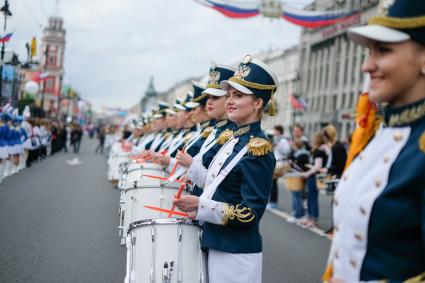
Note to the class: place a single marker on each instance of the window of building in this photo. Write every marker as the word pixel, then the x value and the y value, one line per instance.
pixel 49 83
pixel 355 69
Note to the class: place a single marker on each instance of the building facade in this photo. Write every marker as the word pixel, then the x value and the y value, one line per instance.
pixel 284 65
pixel 52 62
pixel 330 69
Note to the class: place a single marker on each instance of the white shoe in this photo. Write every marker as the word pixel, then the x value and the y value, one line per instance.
pixel 291 219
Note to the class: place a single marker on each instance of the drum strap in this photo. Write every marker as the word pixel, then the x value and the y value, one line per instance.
pixel 209 140
pixel 193 140
pixel 212 187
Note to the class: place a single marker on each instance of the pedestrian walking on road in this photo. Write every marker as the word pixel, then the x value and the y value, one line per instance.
pixel 101 137
pixel 76 136
pixel 379 214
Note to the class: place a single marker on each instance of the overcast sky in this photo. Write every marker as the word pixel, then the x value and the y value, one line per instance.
pixel 115 46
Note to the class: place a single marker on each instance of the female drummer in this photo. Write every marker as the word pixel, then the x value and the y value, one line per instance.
pixel 379 207
pixel 215 99
pixel 237 185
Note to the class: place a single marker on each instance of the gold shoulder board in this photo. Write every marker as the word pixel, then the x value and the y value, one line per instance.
pixel 259 146
pixel 225 136
pixel 422 142
pixel 207 131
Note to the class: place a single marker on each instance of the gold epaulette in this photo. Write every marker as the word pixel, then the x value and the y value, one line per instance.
pixel 259 146
pixel 422 142
pixel 225 136
pixel 207 131
pixel 187 137
pixel 166 135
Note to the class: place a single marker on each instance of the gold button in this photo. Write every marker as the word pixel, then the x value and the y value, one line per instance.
pixel 378 183
pixel 353 263
pixel 358 237
pixel 362 210
pixel 386 159
pixel 397 136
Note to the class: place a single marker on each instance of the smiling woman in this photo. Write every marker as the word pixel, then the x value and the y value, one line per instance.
pixel 236 187
pixel 379 207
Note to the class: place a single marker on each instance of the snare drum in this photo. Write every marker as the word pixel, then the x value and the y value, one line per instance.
pixel 294 182
pixel 165 250
pixel 133 207
pixel 133 175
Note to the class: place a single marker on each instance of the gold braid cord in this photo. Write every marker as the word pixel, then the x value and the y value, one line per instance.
pixel 199 98
pixel 252 85
pixel 213 86
pixel 400 23
pixel 241 213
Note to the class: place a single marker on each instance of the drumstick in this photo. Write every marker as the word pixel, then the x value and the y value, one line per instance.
pixel 167 210
pixel 155 177
pixel 178 195
pixel 174 168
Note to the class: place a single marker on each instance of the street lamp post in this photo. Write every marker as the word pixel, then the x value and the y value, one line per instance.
pixel 46 53
pixel 6 12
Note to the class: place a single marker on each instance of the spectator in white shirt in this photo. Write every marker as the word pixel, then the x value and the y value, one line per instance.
pixel 282 149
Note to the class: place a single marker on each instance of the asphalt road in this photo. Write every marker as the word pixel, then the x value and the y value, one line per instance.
pixel 59 224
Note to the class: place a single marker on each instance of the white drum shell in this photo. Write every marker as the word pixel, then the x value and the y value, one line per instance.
pixel 165 240
pixel 135 200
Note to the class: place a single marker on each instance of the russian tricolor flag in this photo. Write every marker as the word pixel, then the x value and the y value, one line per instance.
pixel 6 38
pixel 242 10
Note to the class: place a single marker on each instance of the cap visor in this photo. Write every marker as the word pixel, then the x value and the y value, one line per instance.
pixel 192 104
pixel 215 92
pixel 179 107
pixel 170 111
pixel 367 34
pixel 226 84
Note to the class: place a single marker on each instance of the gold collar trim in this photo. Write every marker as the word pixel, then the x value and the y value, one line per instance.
pixel 407 116
pixel 241 131
pixel 221 123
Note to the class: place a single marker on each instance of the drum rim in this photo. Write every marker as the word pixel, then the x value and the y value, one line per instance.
pixel 151 187
pixel 159 221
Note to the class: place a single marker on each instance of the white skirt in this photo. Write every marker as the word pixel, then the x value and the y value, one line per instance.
pixel 11 149
pixel 234 268
pixel 3 152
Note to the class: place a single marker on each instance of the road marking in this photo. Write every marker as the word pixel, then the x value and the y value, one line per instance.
pixel 286 216
pixel 74 161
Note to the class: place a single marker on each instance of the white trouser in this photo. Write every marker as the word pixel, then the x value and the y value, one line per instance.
pixel 234 268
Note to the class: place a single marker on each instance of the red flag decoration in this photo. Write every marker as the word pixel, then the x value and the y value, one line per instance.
pixel 296 104
pixel 6 38
pixel 39 77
